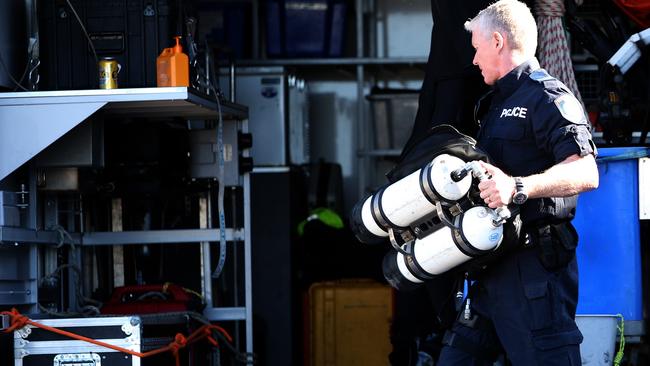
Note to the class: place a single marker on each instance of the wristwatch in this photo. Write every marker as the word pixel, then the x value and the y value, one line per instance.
pixel 520 195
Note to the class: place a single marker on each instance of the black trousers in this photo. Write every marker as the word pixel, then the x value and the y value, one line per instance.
pixel 523 309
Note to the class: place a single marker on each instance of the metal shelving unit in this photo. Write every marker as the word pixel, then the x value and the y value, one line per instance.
pixel 31 121
pixel 363 67
pixel 366 61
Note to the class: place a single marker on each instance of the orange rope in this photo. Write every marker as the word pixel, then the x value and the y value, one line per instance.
pixel 19 321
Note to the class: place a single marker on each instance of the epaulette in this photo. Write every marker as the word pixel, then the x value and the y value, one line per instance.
pixel 540 75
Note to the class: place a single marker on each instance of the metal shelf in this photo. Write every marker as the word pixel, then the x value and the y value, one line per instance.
pixel 346 61
pixel 221 314
pixel 159 236
pixel 20 235
pixel 168 102
pixel 381 152
pixel 341 68
pixel 54 113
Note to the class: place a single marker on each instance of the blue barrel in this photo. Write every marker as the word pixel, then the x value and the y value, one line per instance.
pixel 609 253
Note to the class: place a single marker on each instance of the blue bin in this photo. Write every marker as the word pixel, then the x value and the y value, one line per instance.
pixel 609 253
pixel 305 28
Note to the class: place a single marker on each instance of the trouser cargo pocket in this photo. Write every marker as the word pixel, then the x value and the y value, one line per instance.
pixel 559 348
pixel 539 305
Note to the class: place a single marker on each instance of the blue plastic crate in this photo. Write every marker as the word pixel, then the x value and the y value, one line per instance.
pixel 609 249
pixel 306 28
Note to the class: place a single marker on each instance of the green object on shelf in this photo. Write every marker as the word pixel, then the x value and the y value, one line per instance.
pixel 324 215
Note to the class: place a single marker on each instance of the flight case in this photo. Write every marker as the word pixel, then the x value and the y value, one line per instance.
pixel 38 347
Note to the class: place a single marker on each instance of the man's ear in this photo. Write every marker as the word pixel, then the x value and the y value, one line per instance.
pixel 498 40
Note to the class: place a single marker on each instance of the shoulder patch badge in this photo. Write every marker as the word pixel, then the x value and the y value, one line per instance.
pixel 570 108
pixel 540 75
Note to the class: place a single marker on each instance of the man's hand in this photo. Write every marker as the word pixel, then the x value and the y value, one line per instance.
pixel 498 190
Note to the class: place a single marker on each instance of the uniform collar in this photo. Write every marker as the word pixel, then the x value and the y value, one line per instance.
pixel 511 81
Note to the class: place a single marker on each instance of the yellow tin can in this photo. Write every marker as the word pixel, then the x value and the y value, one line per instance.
pixel 109 68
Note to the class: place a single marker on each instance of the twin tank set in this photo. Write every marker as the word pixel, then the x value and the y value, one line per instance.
pixel 431 220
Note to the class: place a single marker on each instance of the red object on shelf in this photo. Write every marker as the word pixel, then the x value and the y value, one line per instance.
pixel 148 299
pixel 637 10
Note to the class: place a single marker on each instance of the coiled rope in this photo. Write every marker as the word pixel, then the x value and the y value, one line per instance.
pixel 552 46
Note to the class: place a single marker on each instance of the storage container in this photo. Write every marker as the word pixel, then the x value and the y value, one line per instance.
pixel 393 116
pixel 609 253
pixel 305 28
pixel 278 113
pixel 599 345
pixel 37 347
pixel 349 323
pixel 173 66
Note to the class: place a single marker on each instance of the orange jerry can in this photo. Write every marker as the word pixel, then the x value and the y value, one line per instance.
pixel 173 66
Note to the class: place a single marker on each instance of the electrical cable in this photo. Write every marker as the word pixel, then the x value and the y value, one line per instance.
pixel 8 72
pixel 28 69
pixel 64 236
pixel 86 312
pixel 19 82
pixel 220 198
pixel 83 300
pixel 55 313
pixel 90 310
pixel 22 77
pixel 83 28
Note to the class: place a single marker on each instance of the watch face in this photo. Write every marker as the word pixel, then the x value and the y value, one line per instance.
pixel 519 198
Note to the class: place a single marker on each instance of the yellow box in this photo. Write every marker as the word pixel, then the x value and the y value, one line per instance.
pixel 350 323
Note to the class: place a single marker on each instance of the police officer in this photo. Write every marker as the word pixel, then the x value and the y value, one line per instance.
pixel 538 138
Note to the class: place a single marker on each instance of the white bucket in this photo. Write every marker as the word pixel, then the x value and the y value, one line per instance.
pixel 599 344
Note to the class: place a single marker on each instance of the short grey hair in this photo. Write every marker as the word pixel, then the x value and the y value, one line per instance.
pixel 513 20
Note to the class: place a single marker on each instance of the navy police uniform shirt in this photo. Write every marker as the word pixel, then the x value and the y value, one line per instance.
pixel 532 123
